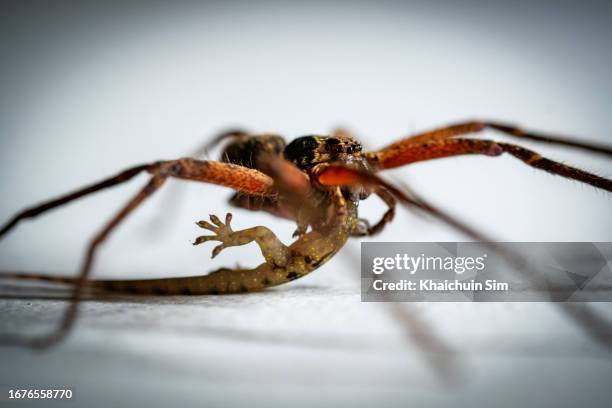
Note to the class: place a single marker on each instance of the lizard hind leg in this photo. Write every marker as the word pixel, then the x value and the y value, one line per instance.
pixel 273 250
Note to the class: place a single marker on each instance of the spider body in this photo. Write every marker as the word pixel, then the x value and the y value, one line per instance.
pixel 316 181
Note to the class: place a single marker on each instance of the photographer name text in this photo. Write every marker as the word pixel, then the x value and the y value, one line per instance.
pixel 413 265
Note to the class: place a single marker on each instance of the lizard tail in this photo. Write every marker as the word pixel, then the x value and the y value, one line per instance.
pixel 221 281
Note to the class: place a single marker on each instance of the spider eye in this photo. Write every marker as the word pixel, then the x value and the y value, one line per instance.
pixel 333 145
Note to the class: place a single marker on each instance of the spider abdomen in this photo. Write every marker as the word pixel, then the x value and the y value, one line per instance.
pixel 245 150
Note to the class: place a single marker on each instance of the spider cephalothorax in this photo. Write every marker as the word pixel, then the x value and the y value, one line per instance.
pixel 305 152
pixel 308 151
pixel 314 180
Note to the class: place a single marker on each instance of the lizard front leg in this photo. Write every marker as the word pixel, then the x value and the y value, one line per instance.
pixel 273 250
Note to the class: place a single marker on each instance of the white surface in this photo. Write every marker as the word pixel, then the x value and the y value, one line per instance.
pixel 89 90
pixel 303 345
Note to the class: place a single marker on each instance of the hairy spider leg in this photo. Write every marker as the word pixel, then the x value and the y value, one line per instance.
pixel 48 205
pixel 464 128
pixel 406 153
pixel 238 139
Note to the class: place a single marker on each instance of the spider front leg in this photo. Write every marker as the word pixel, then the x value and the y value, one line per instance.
pixel 273 250
pixel 460 129
pixel 407 152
